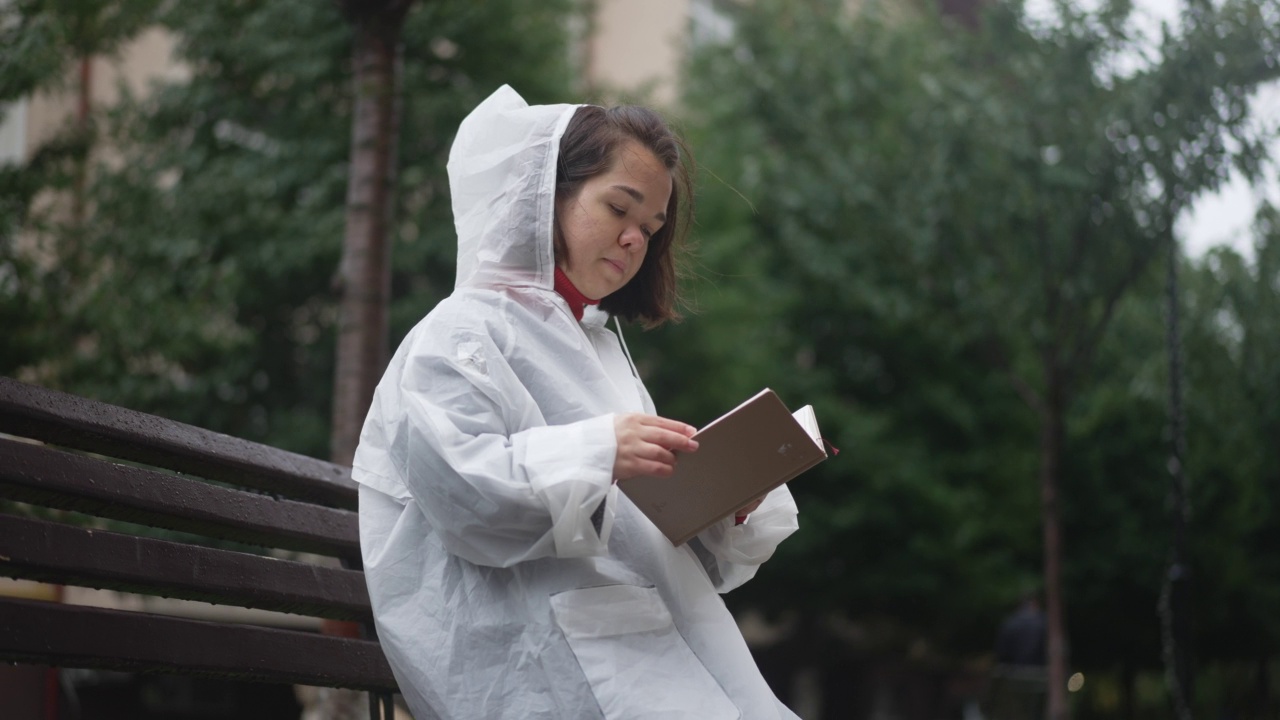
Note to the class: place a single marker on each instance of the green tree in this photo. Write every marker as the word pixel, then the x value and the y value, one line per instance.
pixel 43 41
pixel 1233 378
pixel 206 293
pixel 818 284
pixel 1116 510
pixel 965 213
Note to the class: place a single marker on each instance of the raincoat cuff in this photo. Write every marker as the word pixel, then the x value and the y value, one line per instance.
pixel 570 468
pixel 754 542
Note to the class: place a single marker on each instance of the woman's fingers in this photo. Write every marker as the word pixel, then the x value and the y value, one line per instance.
pixel 649 468
pixel 654 453
pixel 670 440
pixel 652 429
pixel 643 459
pixel 647 444
pixel 665 431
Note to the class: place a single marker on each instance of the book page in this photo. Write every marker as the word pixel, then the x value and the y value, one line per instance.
pixel 809 421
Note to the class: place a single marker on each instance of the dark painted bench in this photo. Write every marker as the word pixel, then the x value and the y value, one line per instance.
pixel 232 503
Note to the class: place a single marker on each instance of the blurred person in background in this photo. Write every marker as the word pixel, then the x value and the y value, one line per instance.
pixel 1018 678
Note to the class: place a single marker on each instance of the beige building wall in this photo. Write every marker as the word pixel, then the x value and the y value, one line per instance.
pixel 632 48
pixel 34 121
pixel 636 47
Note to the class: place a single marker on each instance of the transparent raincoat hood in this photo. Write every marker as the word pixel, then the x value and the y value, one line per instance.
pixel 509 578
pixel 502 175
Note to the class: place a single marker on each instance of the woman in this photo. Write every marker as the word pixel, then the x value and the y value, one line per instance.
pixel 509 576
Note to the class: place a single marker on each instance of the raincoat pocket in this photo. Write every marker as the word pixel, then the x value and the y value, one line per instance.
pixel 634 658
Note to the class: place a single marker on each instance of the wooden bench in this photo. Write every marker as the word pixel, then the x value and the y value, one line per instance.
pixel 230 506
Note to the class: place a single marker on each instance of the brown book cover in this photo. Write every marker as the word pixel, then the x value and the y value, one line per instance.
pixel 742 455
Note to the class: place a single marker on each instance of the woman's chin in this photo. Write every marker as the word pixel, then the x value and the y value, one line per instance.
pixel 599 292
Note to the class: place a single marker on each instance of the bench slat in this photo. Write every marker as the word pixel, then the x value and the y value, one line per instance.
pixel 46 633
pixel 53 552
pixel 54 478
pixel 62 419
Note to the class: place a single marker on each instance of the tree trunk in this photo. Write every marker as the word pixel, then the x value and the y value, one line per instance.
pixel 365 273
pixel 1051 435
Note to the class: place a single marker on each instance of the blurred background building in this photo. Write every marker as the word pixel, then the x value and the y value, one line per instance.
pixel 627 49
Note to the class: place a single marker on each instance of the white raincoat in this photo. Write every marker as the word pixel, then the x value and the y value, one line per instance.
pixel 509 576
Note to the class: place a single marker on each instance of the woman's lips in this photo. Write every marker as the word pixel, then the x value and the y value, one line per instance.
pixel 617 265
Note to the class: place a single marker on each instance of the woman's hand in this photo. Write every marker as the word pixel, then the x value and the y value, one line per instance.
pixel 647 445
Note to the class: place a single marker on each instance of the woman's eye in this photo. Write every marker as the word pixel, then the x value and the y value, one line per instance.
pixel 648 234
pixel 617 210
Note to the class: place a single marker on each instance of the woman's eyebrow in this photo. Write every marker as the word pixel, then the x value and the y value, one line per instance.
pixel 639 197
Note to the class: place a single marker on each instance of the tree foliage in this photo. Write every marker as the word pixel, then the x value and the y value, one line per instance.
pixel 1234 379
pixel 945 240
pixel 202 290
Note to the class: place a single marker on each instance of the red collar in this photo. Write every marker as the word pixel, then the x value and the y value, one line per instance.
pixel 577 301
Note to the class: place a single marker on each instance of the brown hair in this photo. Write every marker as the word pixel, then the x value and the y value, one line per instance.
pixel 587 149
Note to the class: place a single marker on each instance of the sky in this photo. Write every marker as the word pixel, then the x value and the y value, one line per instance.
pixel 1223 217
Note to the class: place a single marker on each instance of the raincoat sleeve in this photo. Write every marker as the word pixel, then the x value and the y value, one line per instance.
pixel 497 497
pixel 732 553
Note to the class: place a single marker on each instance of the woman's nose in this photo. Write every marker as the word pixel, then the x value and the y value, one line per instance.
pixel 632 237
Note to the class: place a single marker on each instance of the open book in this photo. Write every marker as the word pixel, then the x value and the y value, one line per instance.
pixel 742 455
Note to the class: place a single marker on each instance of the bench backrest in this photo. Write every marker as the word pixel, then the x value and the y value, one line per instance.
pixel 230 506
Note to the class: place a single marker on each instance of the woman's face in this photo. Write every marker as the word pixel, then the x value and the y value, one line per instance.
pixel 607 225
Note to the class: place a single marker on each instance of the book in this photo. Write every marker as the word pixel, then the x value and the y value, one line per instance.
pixel 741 456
